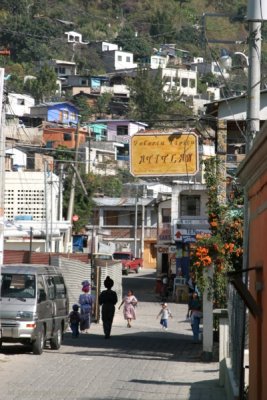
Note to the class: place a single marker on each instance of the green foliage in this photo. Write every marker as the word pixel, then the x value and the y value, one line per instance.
pixel 148 101
pixel 102 105
pixel 83 205
pixel 44 86
pixel 84 109
pixel 140 46
pixel 28 39
pixel 221 250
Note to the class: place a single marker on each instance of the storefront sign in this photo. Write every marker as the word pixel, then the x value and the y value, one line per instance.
pixel 164 154
pixel 183 235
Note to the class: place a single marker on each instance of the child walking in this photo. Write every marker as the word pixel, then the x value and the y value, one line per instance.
pixel 164 315
pixel 74 320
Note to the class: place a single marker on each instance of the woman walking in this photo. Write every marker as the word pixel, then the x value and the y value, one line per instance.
pixel 86 302
pixel 108 299
pixel 130 302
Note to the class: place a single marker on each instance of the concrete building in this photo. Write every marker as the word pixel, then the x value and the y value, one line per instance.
pixel 31 211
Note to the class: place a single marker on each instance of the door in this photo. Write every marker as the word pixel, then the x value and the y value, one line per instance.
pixel 44 305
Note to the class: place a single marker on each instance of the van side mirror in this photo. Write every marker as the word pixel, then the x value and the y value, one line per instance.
pixel 42 296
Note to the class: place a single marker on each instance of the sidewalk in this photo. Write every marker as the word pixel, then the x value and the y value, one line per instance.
pixel 164 364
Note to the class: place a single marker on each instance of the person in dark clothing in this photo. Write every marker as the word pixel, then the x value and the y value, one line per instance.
pixel 107 299
pixel 74 320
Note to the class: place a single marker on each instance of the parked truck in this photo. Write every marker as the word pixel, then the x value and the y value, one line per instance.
pixel 128 261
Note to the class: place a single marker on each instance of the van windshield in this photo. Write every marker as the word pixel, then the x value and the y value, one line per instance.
pixel 18 286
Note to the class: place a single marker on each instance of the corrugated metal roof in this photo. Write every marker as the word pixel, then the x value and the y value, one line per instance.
pixel 121 201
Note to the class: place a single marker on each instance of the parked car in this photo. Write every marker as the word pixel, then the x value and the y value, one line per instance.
pixel 34 306
pixel 129 262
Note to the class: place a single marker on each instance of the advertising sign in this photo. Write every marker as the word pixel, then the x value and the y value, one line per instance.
pixel 164 154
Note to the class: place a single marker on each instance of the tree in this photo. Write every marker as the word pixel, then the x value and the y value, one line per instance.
pixel 149 102
pixel 44 86
pixel 140 46
pixel 102 104
pixel 85 111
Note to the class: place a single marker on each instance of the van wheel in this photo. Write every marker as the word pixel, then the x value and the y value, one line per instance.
pixel 56 340
pixel 38 344
pixel 126 272
pixel 137 269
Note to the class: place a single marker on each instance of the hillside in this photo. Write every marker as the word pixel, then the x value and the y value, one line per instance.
pixel 35 30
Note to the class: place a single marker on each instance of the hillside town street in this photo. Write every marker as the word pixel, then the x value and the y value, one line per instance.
pixel 142 362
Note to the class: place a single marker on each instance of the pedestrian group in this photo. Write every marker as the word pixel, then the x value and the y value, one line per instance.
pixel 80 321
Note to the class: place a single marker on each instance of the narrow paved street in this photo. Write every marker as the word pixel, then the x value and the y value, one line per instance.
pixel 142 362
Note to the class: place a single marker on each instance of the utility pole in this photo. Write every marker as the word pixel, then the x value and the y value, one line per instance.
pixel 2 165
pixel 46 207
pixel 72 191
pixel 135 222
pixel 254 82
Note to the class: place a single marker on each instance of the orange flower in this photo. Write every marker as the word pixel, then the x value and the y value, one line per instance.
pixel 213 223
pixel 206 261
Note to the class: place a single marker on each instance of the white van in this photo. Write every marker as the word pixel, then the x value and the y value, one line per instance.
pixel 34 306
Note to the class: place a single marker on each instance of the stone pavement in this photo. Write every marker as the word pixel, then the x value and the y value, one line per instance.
pixel 142 362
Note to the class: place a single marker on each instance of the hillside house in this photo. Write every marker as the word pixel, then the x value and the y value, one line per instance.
pixel 115 60
pixel 18 105
pixel 55 136
pixel 74 37
pixel 59 112
pixel 62 68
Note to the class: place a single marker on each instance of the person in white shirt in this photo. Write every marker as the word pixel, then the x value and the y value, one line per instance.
pixel 164 315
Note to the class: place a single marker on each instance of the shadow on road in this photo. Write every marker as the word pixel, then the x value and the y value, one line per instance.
pixel 143 345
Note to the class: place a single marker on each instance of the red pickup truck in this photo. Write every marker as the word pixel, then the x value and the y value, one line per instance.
pixel 128 261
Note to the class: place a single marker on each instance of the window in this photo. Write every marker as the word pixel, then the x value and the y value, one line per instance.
pixel 166 215
pixel 40 288
pixel 65 114
pixel 128 59
pixel 20 102
pixel 50 287
pixel 60 287
pixel 122 130
pixel 67 137
pixel 119 58
pixel 111 217
pixel 72 116
pixel 18 285
pixel 184 82
pixel 61 70
pixel 190 205
pixel 104 132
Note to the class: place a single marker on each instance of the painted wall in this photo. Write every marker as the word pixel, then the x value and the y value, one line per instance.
pixel 253 175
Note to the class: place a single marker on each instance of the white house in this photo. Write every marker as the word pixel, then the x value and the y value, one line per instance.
pixel 74 37
pixel 18 157
pixel 18 105
pixel 157 61
pixel 180 79
pixel 117 59
pixel 62 68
